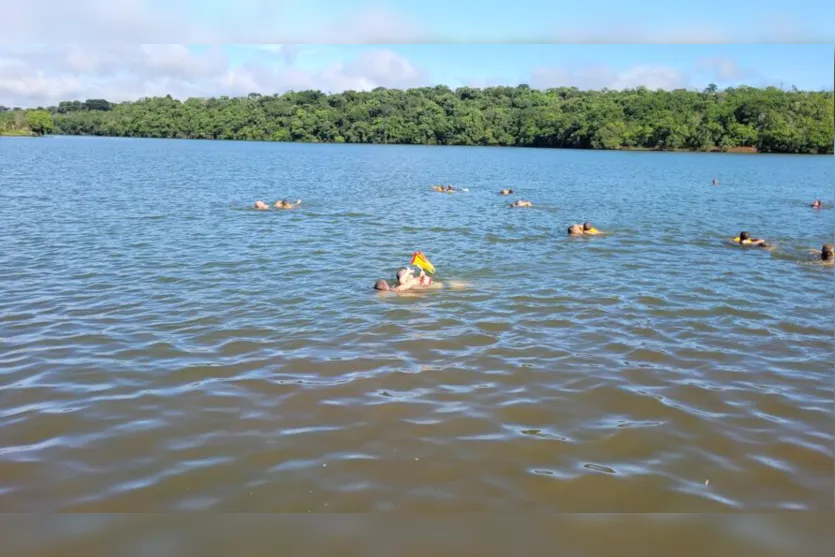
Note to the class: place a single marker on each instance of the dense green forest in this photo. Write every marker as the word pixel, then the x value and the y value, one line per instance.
pixel 768 120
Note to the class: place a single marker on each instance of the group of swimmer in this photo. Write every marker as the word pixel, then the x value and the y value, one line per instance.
pixel 745 239
pixel 826 252
pixel 517 203
pixel 406 279
pixel 583 229
pixel 283 204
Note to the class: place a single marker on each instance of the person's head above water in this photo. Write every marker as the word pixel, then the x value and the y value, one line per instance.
pixel 575 230
pixel 404 275
pixel 381 285
pixel 826 252
pixel 816 203
pixel 745 238
pixel 587 225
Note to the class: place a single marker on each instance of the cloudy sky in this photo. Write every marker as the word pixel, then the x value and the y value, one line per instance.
pixel 126 49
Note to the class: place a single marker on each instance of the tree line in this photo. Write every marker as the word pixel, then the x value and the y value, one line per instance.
pixel 768 120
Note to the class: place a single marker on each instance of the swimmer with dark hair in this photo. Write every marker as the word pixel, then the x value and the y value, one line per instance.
pixel 521 203
pixel 588 228
pixel 505 192
pixel 284 204
pixel 745 239
pixel 827 256
pixel 816 204
pixel 583 229
pixel 406 280
pixel 381 284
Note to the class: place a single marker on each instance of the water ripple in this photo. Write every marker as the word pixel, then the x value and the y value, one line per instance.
pixel 157 357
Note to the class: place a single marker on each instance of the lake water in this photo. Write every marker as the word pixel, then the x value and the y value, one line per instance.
pixel 165 348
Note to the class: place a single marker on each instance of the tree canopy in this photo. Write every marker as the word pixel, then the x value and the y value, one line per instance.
pixel 39 121
pixel 768 120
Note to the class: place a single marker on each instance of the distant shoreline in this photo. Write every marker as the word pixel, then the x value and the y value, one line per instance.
pixel 742 120
pixel 715 150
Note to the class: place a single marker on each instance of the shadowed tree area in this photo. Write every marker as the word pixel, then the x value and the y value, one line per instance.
pixel 768 120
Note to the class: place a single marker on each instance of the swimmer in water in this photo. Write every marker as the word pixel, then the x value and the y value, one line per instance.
pixel 589 229
pixel 583 229
pixel 816 204
pixel 406 280
pixel 715 182
pixel 827 256
pixel 745 239
pixel 521 203
pixel 505 192
pixel 261 206
pixel 284 204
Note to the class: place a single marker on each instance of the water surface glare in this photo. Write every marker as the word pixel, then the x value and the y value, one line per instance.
pixel 165 348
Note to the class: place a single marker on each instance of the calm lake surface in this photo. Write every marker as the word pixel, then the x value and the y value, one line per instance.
pixel 165 348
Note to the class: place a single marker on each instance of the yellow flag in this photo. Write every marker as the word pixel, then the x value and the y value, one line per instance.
pixel 420 260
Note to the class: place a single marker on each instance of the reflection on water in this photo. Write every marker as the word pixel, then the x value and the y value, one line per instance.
pixel 165 348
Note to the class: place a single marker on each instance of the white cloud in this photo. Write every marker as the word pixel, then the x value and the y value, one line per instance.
pixel 724 69
pixel 98 20
pixel 44 75
pixel 601 76
pixel 370 26
pixel 288 53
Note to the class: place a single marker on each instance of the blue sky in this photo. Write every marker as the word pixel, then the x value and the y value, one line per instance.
pixel 536 20
pixel 135 48
pixel 807 66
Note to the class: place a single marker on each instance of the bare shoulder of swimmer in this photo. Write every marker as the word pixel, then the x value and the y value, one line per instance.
pixel 408 286
pixel 383 286
pixel 405 285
